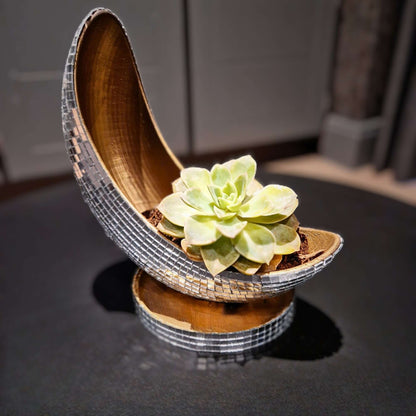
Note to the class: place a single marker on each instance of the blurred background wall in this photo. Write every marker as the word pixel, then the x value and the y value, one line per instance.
pixel 276 77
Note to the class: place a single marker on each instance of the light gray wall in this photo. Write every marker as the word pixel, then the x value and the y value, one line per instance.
pixel 260 70
pixel 36 36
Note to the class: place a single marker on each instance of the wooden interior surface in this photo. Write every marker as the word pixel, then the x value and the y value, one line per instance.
pixel 185 312
pixel 321 240
pixel 115 111
pixel 321 244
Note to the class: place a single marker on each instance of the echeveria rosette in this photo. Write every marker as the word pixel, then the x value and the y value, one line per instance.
pixel 226 217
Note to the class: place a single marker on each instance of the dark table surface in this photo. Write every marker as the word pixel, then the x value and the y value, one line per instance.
pixel 70 343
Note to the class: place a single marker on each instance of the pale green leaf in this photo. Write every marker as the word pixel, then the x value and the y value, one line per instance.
pixel 256 206
pixel 223 215
pixel 284 200
pixel 215 192
pixel 201 230
pixel 287 239
pixel 220 175
pixel 223 203
pixel 279 200
pixel 196 177
pixel 178 185
pixel 193 252
pixel 175 210
pixel 231 228
pixel 219 255
pixel 197 199
pixel 245 164
pixel 255 243
pixel 166 227
pixel 246 266
pixel 292 222
pixel 253 187
pixel 240 186
pixel 229 189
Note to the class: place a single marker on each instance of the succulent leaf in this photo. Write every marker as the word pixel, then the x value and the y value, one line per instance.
pixel 285 200
pixel 287 239
pixel 240 185
pixel 253 187
pixel 255 207
pixel 219 255
pixel 223 203
pixel 196 177
pixel 246 266
pixel 193 252
pixel 267 219
pixel 227 217
pixel 281 199
pixel 222 214
pixel 175 210
pixel 229 192
pixel 166 227
pixel 292 222
pixel 201 230
pixel 179 186
pixel 220 175
pixel 231 228
pixel 197 199
pixel 244 165
pixel 215 192
pixel 255 243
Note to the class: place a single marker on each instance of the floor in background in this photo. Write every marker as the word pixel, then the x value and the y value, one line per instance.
pixel 365 177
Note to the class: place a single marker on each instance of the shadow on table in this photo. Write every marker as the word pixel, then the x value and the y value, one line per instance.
pixel 312 335
pixel 112 287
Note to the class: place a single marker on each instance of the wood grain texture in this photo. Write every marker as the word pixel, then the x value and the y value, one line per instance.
pixel 185 312
pixel 115 110
pixel 321 244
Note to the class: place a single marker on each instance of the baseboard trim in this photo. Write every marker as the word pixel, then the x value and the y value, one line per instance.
pixel 11 190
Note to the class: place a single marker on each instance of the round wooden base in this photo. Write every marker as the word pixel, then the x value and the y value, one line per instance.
pixel 210 327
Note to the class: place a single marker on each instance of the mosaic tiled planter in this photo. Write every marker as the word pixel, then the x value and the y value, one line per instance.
pixel 124 167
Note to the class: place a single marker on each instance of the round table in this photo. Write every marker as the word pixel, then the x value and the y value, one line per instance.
pixel 71 344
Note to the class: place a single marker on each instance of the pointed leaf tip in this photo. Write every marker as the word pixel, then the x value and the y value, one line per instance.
pixel 287 239
pixel 175 210
pixel 219 255
pixel 166 227
pixel 201 230
pixel 199 200
pixel 245 164
pixel 230 228
pixel 195 177
pixel 220 175
pixel 255 243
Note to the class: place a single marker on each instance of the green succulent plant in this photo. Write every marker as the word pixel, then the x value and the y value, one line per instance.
pixel 225 217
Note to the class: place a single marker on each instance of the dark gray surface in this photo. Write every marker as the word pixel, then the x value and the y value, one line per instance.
pixel 69 344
